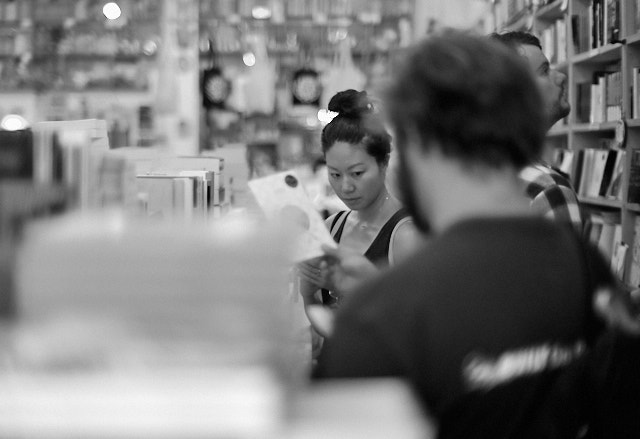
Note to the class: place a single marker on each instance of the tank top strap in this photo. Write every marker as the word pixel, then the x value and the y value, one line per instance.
pixel 378 251
pixel 337 225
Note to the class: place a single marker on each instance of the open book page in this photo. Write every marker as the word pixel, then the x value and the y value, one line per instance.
pixel 283 198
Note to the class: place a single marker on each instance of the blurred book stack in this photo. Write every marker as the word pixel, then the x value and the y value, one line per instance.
pixel 139 329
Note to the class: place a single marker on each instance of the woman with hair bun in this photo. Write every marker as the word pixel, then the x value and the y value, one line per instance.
pixel 356 148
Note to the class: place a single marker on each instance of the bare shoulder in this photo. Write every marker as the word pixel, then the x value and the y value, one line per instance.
pixel 405 239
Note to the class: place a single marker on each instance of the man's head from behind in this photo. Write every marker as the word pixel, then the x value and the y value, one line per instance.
pixel 471 100
pixel 552 83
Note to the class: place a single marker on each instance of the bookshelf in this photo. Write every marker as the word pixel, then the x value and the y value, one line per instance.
pixel 596 43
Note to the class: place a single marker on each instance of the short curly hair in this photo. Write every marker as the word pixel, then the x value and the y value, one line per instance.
pixel 472 97
pixel 517 38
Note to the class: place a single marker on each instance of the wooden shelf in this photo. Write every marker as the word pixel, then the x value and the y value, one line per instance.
pixel 601 202
pixel 601 55
pixel 559 131
pixel 633 207
pixel 593 127
pixel 633 40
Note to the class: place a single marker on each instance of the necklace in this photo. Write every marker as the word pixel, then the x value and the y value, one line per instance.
pixel 367 224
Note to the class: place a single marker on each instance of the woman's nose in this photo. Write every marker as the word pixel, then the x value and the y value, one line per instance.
pixel 347 185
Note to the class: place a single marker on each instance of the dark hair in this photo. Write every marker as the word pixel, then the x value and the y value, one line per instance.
pixel 474 97
pixel 517 38
pixel 357 123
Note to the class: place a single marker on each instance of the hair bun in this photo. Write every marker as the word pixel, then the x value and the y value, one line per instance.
pixel 350 103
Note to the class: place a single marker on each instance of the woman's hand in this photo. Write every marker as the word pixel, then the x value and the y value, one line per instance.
pixel 311 277
pixel 346 269
pixel 311 271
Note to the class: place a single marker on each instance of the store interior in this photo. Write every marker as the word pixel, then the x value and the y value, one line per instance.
pixel 143 293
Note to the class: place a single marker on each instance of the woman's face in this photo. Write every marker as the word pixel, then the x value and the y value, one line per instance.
pixel 354 175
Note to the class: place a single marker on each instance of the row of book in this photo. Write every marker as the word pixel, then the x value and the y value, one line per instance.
pixel 600 100
pixel 633 193
pixel 599 173
pixel 604 229
pixel 635 92
pixel 596 25
pixel 554 42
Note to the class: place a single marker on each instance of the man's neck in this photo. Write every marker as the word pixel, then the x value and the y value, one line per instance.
pixel 453 193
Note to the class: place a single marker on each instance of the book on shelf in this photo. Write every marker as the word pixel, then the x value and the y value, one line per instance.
pixel 605 231
pixel 613 96
pixel 634 265
pixel 566 165
pixel 561 40
pixel 635 83
pixel 614 189
pixel 562 160
pixel 596 106
pixel 553 40
pixel 581 31
pixel 633 193
pixel 596 25
pixel 607 172
pixel 599 172
pixel 612 21
pixel 600 157
pixel 548 39
pixel 183 199
pixel 583 101
pixel 618 258
pixel 601 99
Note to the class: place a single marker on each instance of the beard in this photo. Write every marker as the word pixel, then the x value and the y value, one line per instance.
pixel 560 109
pixel 408 194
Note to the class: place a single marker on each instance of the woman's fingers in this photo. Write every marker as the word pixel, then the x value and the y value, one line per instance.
pixel 310 272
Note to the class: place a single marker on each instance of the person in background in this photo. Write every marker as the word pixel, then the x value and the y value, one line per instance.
pixel 356 149
pixel 549 189
pixel 492 319
pixel 262 159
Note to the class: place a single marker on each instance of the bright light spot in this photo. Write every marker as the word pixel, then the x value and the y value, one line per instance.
pixel 13 122
pixel 325 116
pixel 149 47
pixel 261 12
pixel 249 59
pixel 111 10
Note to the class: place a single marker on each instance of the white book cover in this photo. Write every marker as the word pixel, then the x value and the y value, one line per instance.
pixel 599 162
pixel 618 259
pixel 634 91
pixel 283 198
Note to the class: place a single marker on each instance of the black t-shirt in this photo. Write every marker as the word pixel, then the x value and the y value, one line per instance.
pixel 483 321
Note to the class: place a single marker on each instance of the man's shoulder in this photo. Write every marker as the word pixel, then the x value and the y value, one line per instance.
pixel 538 178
